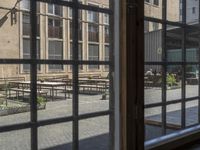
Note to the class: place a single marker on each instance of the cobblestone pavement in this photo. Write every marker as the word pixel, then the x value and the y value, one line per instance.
pixel 93 133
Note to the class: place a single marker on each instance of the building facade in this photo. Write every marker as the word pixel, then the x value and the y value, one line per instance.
pixel 54 37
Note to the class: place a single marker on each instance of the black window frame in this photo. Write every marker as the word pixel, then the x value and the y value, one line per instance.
pixel 187 134
pixel 34 124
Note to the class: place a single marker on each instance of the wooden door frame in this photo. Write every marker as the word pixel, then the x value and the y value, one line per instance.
pixel 132 74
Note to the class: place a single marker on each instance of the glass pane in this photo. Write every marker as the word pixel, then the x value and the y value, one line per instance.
pixel 58 137
pixel 93 90
pixel 192 81
pixel 173 80
pixel 153 8
pixel 54 93
pixel 14 99
pixel 173 116
pixel 174 43
pixel 94 134
pixel 16 140
pixel 192 12
pixel 192 44
pixel 174 10
pixel 153 41
pixel 153 84
pixel 192 112
pixel 153 122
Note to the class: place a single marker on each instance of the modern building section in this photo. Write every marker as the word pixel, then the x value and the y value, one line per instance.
pixel 54 36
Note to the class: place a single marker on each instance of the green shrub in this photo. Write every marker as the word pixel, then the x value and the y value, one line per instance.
pixel 41 100
pixel 171 80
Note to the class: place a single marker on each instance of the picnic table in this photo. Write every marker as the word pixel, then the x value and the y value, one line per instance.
pixel 43 85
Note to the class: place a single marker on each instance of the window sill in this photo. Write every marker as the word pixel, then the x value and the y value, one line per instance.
pixel 175 139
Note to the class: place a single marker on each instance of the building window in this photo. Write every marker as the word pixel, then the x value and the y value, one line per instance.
pixel 25 4
pixel 106 55
pixel 106 34
pixel 26 25
pixel 148 1
pixel 55 28
pixel 155 26
pixel 156 2
pixel 55 51
pixel 26 53
pixel 106 19
pixel 193 10
pixel 80 32
pixel 93 55
pixel 55 9
pixel 93 32
pixel 93 17
pixel 80 54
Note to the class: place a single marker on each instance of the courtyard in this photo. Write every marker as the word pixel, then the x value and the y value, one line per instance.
pixel 93 132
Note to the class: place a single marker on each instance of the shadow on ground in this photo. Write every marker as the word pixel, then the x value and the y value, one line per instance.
pixel 100 142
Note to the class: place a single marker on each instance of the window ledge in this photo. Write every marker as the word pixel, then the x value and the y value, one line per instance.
pixel 174 140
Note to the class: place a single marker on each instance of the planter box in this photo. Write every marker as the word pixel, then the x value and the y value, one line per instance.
pixel 16 110
pixel 173 87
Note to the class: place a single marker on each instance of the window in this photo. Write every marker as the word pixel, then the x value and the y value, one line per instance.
pixel 171 53
pixel 26 53
pixel 80 32
pixel 93 32
pixel 106 34
pixel 70 107
pixel 25 4
pixel 106 19
pixel 156 2
pixel 148 1
pixel 26 25
pixel 80 54
pixel 193 10
pixel 55 52
pixel 106 55
pixel 55 9
pixel 155 26
pixel 55 29
pixel 93 54
pixel 93 17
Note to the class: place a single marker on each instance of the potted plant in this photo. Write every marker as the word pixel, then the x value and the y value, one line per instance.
pixel 171 81
pixel 41 102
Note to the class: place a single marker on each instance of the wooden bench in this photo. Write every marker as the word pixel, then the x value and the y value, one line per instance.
pixel 23 91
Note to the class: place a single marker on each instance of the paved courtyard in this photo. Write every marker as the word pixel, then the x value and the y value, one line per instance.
pixel 173 115
pixel 93 133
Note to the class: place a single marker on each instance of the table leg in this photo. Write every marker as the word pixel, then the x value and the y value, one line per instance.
pixel 52 94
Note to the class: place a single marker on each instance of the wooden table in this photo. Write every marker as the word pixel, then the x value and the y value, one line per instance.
pixel 42 85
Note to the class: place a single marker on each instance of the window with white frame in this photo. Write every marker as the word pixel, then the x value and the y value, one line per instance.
pixel 55 9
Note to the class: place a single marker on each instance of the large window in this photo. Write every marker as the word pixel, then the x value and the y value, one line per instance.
pixel 62 105
pixel 171 80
